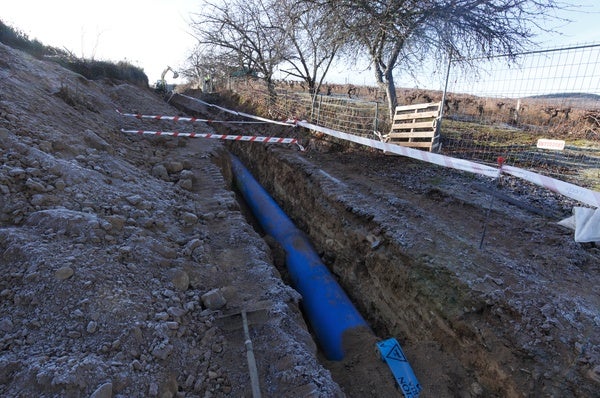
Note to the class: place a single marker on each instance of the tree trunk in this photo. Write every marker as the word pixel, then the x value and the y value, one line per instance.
pixel 390 91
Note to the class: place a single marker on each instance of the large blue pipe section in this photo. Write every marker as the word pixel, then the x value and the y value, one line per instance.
pixel 327 307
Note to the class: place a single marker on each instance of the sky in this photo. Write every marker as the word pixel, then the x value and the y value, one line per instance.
pixel 154 34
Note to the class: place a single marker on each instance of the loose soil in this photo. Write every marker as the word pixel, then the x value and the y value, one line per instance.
pixel 127 261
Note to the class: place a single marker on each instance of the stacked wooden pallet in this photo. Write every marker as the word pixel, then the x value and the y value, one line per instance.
pixel 416 126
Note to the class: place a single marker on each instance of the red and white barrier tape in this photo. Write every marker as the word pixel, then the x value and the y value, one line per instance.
pixel 247 138
pixel 186 119
pixel 572 191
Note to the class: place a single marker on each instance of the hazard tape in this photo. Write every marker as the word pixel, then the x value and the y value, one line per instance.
pixel 186 119
pixel 572 191
pixel 430 157
pixel 247 138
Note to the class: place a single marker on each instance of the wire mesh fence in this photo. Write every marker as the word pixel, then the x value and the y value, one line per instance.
pixel 503 106
pixel 494 107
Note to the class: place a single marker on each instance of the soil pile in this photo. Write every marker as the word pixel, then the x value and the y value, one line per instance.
pixel 125 260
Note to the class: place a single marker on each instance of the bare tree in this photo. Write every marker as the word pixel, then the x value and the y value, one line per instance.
pixel 401 33
pixel 244 30
pixel 314 40
pixel 205 63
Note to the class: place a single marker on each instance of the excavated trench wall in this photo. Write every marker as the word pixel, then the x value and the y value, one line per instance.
pixel 398 292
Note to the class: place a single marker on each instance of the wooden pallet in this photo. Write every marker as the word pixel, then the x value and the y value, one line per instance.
pixel 416 126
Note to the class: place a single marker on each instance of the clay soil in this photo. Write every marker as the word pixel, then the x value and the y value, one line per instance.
pixel 128 260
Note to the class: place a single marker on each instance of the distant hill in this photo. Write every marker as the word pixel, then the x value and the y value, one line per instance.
pixel 564 96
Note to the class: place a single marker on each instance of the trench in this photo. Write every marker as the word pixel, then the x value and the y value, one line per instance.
pixel 452 341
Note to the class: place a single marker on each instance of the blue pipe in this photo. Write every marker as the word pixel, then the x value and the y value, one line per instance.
pixel 327 307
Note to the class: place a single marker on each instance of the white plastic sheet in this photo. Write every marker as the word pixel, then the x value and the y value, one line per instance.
pixel 585 222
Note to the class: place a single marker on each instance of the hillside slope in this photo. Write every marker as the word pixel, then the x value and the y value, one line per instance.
pixel 126 261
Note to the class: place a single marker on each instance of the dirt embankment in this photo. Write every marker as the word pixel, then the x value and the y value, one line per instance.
pixel 518 316
pixel 125 260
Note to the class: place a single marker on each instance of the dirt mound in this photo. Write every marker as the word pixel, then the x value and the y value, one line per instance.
pixel 126 261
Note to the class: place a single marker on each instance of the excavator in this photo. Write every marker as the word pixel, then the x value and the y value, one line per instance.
pixel 161 85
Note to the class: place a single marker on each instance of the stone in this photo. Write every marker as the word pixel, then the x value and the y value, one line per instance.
pixel 35 185
pixel 160 171
pixel 173 325
pixel 17 172
pixel 153 390
pixel 64 273
pixel 189 382
pixel 6 325
pixel 214 299
pixel 191 246
pixel 162 351
pixel 136 365
pixel 104 391
pixel 189 219
pixel 92 326
pixel 176 312
pixel 134 200
pixel 174 166
pixel 181 280
pixel 96 142
pixel 186 184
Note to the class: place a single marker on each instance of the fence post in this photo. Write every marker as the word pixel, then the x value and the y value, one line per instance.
pixel 445 87
pixel 376 117
pixel 319 108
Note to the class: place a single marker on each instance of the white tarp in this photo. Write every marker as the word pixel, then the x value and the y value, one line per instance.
pixel 585 222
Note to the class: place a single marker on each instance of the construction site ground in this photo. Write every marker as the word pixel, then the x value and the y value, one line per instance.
pixel 128 260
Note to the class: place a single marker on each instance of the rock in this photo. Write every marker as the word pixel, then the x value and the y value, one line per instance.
pixel 214 299
pixel 189 382
pixel 186 184
pixel 161 316
pixel 160 171
pixel 96 142
pixel 191 246
pixel 92 326
pixel 134 200
pixel 104 391
pixel 64 273
pixel 476 389
pixel 189 218
pixel 17 172
pixel 162 351
pixel 117 222
pixel 181 280
pixel 173 325
pixel 6 325
pixel 35 185
pixel 176 312
pixel 174 166
pixel 136 365
pixel 153 390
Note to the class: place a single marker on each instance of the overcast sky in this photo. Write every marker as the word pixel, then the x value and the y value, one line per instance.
pixel 155 33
